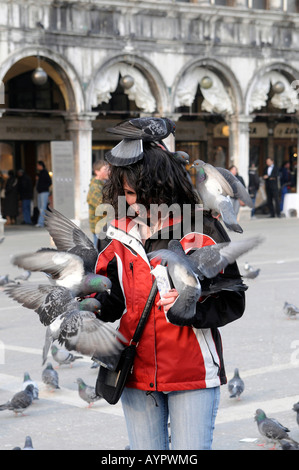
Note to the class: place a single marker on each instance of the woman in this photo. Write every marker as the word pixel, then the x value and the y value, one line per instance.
pixel 11 198
pixel 178 369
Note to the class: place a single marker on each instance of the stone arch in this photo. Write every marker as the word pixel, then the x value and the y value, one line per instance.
pixel 262 77
pixel 224 75
pixel 143 70
pixel 57 68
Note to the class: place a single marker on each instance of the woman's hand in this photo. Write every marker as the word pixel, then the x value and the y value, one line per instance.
pixel 168 299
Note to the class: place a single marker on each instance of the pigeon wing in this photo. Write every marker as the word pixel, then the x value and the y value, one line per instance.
pixel 125 153
pixel 213 173
pixel 238 188
pixel 228 215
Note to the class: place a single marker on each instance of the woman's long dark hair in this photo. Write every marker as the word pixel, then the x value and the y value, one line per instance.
pixel 157 178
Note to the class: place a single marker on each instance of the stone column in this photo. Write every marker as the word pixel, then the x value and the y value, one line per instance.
pixel 239 144
pixel 79 128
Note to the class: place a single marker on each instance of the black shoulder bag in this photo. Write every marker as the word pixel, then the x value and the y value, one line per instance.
pixel 110 383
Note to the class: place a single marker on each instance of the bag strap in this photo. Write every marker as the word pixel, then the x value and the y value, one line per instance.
pixel 146 311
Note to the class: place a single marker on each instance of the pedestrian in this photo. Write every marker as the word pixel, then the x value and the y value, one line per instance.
pixel 253 185
pixel 95 195
pixel 25 189
pixel 271 176
pixel 2 193
pixel 11 198
pixel 178 369
pixel 286 181
pixel 235 201
pixel 43 184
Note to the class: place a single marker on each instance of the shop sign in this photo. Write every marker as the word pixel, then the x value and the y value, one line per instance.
pixel 286 130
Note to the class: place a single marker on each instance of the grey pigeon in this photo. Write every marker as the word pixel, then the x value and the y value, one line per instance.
pixel 20 401
pixel 23 277
pixel 215 192
pixel 27 381
pixel 236 385
pixel 70 238
pixel 87 393
pixel 186 272
pixel 296 409
pixel 74 324
pixel 134 133
pixel 50 377
pixel 287 445
pixel 27 446
pixel 4 280
pixel 290 310
pixel 271 428
pixel 250 272
pixel 66 269
pixel 63 356
pixel 239 190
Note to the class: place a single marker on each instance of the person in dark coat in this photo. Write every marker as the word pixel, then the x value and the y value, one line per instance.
pixel 271 175
pixel 286 181
pixel 11 198
pixel 253 185
pixel 43 184
pixel 25 189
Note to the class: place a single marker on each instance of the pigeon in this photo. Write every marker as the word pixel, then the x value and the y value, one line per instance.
pixel 70 238
pixel 28 381
pixel 296 409
pixel 134 133
pixel 186 272
pixel 66 269
pixel 20 401
pixel 236 385
pixel 215 192
pixel 87 393
pixel 271 428
pixel 27 446
pixel 4 280
pixel 63 356
pixel 287 445
pixel 76 329
pixel 23 277
pixel 239 190
pixel 50 377
pixel 250 272
pixel 290 310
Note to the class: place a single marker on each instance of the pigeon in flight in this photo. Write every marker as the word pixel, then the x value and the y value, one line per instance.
pixel 187 271
pixel 239 190
pixel 271 428
pixel 70 238
pixel 236 385
pixel 215 192
pixel 290 310
pixel 134 133
pixel 28 381
pixel 20 401
pixel 50 377
pixel 87 393
pixel 63 356
pixel 76 328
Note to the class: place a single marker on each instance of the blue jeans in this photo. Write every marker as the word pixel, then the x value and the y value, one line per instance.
pixel 42 202
pixel 192 415
pixel 26 209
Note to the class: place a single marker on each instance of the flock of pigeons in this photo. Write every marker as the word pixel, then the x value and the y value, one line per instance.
pixel 68 311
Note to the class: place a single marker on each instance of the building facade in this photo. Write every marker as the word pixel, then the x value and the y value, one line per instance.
pixel 227 72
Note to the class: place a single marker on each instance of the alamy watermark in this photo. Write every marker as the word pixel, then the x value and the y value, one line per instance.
pixel 182 220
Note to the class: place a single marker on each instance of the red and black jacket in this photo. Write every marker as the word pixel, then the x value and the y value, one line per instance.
pixel 169 357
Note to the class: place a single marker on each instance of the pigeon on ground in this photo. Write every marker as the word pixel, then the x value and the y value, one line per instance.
pixel 4 280
pixel 50 377
pixel 23 277
pixel 215 192
pixel 87 393
pixel 63 356
pixel 70 238
pixel 287 445
pixel 290 310
pixel 186 272
pixel 76 329
pixel 20 401
pixel 236 385
pixel 134 133
pixel 27 446
pixel 28 381
pixel 296 409
pixel 250 272
pixel 271 428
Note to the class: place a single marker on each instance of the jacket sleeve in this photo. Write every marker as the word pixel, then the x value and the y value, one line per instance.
pixel 113 304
